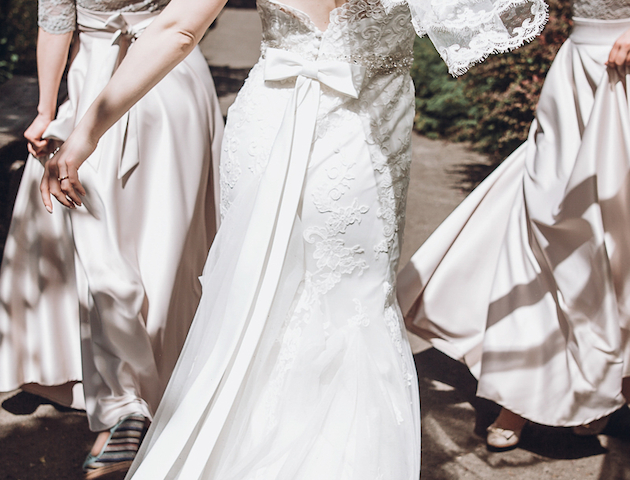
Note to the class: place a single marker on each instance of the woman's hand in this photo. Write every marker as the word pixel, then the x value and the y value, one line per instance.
pixel 619 56
pixel 61 172
pixel 36 145
pixel 167 41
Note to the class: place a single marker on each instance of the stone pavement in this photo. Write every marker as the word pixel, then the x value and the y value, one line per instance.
pixel 40 441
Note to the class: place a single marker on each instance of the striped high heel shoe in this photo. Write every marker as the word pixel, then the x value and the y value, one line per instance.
pixel 118 453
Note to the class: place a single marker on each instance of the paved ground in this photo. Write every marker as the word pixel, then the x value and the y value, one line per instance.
pixel 39 441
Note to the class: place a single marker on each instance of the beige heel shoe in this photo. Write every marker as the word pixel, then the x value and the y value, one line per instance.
pixel 500 439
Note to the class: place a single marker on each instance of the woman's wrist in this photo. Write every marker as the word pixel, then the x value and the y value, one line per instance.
pixel 82 142
pixel 46 113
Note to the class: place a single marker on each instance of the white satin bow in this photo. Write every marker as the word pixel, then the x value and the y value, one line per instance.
pixel 123 30
pixel 346 78
pixel 124 34
pixel 117 24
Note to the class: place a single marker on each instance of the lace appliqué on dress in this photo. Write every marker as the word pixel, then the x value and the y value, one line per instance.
pixel 601 9
pixel 333 258
pixel 383 48
pixel 389 139
pixel 123 5
pixel 59 16
pixel 395 327
pixel 360 319
pixel 369 37
pixel 256 146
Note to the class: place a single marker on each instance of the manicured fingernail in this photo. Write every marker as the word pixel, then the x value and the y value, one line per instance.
pixel 48 208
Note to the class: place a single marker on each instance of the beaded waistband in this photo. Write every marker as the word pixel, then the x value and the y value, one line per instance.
pixel 375 64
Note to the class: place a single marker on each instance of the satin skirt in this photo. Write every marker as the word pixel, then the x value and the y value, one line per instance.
pixel 40 342
pixel 127 262
pixel 528 280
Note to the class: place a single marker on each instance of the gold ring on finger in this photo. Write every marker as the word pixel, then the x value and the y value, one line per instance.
pixel 62 178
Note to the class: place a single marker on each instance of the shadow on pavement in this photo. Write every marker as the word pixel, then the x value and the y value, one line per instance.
pixel 24 403
pixel 472 174
pixel 42 441
pixel 455 419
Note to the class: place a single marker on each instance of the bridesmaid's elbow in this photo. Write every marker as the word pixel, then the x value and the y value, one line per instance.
pixel 186 40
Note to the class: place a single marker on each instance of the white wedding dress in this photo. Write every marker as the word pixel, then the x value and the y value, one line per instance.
pixel 297 365
pixel 527 281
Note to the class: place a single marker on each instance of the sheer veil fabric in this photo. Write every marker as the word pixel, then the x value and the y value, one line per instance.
pixel 297 365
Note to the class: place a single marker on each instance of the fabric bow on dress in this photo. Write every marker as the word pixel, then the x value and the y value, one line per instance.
pixel 123 28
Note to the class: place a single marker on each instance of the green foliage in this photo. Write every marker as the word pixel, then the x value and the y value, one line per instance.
pixel 441 103
pixel 493 104
pixel 18 37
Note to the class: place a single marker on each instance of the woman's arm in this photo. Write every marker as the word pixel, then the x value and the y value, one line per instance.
pixel 52 55
pixel 165 43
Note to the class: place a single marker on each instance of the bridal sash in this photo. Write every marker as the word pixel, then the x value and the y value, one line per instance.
pixel 188 436
pixel 119 30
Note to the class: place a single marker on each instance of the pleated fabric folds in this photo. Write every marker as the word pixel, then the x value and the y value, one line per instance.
pixel 527 281
pixel 141 237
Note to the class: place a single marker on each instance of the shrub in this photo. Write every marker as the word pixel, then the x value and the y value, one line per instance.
pixel 493 104
pixel 441 104
pixel 18 37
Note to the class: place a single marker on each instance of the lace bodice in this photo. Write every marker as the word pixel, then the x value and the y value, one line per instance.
pixel 378 33
pixel 601 9
pixel 59 16
pixel 360 32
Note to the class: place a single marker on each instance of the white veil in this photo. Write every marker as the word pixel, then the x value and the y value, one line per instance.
pixel 465 32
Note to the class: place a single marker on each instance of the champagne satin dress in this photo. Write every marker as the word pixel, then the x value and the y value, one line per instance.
pixel 126 263
pixel 527 281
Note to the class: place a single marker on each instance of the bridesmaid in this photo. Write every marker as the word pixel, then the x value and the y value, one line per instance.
pixel 527 281
pixel 137 243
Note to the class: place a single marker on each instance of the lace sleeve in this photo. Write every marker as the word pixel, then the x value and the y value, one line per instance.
pixel 57 16
pixel 465 32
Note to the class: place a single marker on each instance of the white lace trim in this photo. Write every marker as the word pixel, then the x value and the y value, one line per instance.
pixel 466 32
pixel 59 16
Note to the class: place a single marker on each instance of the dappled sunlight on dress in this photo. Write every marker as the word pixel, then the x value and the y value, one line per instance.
pixel 297 365
pixel 527 281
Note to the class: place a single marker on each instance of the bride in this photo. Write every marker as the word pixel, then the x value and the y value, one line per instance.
pixel 297 365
